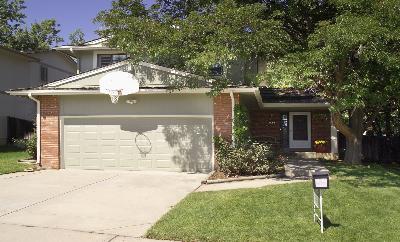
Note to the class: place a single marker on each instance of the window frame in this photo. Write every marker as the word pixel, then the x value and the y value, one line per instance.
pixel 44 74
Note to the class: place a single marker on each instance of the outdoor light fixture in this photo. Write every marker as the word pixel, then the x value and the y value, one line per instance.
pixel 320 182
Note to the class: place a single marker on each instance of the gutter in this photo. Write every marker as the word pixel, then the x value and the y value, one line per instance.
pixel 37 127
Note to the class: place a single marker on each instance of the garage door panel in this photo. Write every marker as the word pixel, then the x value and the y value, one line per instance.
pixel 138 143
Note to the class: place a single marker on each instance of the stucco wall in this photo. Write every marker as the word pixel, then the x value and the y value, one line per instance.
pixel 147 104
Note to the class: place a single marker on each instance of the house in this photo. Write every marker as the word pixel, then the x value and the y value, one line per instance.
pixel 158 129
pixel 24 70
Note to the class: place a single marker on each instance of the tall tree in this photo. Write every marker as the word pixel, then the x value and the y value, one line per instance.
pixel 77 37
pixel 13 33
pixel 347 50
pixel 353 61
pixel 222 34
pixel 11 18
pixel 40 36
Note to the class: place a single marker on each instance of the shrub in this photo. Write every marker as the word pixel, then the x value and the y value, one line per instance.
pixel 250 159
pixel 241 133
pixel 29 144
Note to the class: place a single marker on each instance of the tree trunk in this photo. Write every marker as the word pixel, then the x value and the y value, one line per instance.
pixel 353 134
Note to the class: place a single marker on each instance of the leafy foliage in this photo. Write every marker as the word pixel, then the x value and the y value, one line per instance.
pixel 11 17
pixel 241 133
pixel 225 33
pixel 250 159
pixel 39 36
pixel 28 144
pixel 77 37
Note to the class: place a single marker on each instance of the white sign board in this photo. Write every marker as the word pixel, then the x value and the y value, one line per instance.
pixel 321 182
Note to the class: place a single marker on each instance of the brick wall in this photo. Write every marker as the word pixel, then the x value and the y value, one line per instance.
pixel 321 128
pixel 265 126
pixel 49 130
pixel 223 115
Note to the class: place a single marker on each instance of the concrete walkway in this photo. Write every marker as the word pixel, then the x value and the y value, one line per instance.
pixel 246 184
pixel 73 205
pixel 296 170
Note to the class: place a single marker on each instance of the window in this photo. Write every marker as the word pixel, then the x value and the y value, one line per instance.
pixel 43 74
pixel 107 59
pixel 216 70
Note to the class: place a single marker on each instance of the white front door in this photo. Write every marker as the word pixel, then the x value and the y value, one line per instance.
pixel 300 130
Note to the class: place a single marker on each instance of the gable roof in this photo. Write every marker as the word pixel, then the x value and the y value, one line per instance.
pixel 19 53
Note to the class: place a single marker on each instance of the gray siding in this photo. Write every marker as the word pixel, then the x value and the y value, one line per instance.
pixel 147 104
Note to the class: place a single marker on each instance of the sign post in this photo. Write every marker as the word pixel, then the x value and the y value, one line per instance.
pixel 320 182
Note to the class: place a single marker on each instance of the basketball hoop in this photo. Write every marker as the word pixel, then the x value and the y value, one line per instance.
pixel 118 83
pixel 114 95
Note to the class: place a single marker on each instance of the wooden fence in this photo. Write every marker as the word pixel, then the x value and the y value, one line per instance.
pixel 379 149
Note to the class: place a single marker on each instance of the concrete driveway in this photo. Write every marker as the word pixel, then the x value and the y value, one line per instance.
pixel 75 205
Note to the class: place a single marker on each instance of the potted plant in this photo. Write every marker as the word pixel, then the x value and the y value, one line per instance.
pixel 320 146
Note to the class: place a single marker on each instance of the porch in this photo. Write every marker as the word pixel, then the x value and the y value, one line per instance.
pixel 296 123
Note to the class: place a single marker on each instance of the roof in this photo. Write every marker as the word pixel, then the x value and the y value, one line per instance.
pixel 20 53
pixel 290 95
pixel 96 44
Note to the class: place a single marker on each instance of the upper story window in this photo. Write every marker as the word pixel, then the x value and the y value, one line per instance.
pixel 107 59
pixel 216 70
pixel 44 74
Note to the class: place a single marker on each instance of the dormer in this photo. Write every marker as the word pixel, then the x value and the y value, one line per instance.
pixel 93 54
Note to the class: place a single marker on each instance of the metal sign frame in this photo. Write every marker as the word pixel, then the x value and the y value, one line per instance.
pixel 317 208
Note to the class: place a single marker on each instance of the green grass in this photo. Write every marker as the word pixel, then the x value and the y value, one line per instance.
pixel 9 157
pixel 363 204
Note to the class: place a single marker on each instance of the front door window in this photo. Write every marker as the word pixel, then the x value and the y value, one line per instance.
pixel 300 130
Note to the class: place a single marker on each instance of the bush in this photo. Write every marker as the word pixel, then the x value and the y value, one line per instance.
pixel 28 144
pixel 250 159
pixel 241 133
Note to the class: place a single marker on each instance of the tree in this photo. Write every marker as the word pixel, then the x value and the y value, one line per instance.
pixel 39 36
pixel 224 33
pixel 77 37
pixel 347 50
pixel 11 18
pixel 352 60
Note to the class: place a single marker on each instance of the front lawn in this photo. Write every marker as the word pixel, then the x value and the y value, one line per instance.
pixel 9 157
pixel 363 204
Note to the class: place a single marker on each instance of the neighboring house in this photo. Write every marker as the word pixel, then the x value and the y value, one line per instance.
pixel 24 70
pixel 158 129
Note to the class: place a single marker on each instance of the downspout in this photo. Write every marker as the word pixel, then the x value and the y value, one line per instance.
pixel 37 127
pixel 233 116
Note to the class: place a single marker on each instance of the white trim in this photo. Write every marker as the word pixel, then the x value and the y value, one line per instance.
pixel 296 105
pixel 299 144
pixel 334 139
pixel 114 66
pixel 141 91
pixel 86 74
pixel 138 116
pixel 38 128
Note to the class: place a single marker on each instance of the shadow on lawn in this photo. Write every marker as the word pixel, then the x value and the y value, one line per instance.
pixel 328 223
pixel 9 149
pixel 366 175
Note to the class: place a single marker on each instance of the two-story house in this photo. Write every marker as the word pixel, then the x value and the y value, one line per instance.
pixel 158 129
pixel 26 70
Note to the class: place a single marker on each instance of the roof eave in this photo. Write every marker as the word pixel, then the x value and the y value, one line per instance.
pixel 63 92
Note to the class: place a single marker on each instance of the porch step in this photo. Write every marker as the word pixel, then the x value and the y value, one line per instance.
pixel 302 168
pixel 312 155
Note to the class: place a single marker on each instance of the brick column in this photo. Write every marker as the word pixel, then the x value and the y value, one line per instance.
pixel 223 115
pixel 49 132
pixel 321 128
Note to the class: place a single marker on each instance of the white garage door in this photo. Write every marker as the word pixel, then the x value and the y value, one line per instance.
pixel 175 144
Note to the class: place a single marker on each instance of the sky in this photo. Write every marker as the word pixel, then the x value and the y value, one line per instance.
pixel 70 14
